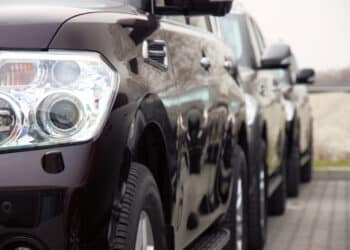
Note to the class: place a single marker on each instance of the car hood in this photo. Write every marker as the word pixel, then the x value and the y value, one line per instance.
pixel 32 24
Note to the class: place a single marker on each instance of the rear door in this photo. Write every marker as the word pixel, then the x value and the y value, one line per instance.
pixel 224 119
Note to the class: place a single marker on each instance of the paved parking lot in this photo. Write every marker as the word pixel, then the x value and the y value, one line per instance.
pixel 318 220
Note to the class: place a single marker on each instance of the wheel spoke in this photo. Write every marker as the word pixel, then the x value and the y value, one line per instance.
pixel 239 215
pixel 144 238
pixel 262 187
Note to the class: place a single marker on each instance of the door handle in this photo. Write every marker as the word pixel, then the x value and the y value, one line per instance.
pixel 262 89
pixel 155 52
pixel 229 65
pixel 205 63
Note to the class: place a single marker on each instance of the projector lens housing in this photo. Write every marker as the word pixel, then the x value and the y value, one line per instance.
pixel 64 115
pixel 60 115
pixel 9 118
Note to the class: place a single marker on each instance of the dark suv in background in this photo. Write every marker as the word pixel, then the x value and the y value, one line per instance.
pixel 121 127
pixel 266 122
pixel 292 82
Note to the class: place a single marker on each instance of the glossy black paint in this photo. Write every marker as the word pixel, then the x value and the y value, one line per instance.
pixel 292 83
pixel 182 121
pixel 266 113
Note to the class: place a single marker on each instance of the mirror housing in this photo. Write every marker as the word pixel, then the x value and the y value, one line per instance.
pixel 192 7
pixel 277 56
pixel 306 76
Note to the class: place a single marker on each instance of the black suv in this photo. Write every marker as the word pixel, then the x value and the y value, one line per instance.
pixel 266 122
pixel 121 127
pixel 299 115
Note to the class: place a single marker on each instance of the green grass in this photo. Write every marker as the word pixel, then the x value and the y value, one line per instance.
pixel 327 164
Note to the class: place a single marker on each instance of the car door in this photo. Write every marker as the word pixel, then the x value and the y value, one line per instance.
pixel 224 118
pixel 186 51
pixel 176 99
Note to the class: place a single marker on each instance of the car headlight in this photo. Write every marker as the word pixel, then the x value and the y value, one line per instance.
pixel 55 97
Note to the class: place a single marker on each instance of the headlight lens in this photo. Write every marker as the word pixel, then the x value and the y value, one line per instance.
pixel 50 98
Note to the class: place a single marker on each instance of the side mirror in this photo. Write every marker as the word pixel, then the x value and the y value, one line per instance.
pixel 277 56
pixel 192 7
pixel 306 76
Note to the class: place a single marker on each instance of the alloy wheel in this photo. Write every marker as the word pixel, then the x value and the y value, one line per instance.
pixel 144 238
pixel 262 189
pixel 239 215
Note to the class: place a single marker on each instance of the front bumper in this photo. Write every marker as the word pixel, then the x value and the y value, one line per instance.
pixel 37 208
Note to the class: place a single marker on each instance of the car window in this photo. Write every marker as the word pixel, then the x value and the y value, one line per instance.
pixel 282 75
pixel 215 25
pixel 200 22
pixel 259 37
pixel 231 34
pixel 254 42
pixel 177 19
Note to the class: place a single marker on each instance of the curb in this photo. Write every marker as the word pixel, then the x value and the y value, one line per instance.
pixel 332 174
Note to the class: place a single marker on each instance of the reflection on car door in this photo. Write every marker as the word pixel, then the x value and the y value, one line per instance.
pixel 186 52
pixel 272 95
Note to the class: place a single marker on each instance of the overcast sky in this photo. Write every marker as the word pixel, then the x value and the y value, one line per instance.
pixel 318 30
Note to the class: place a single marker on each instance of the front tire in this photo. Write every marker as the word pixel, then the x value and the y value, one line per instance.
pixel 306 170
pixel 257 230
pixel 293 172
pixel 277 202
pixel 236 216
pixel 140 221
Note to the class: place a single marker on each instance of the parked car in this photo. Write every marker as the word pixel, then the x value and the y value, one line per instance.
pixel 118 129
pixel 300 122
pixel 266 120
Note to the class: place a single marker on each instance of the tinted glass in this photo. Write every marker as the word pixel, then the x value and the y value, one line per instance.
pixel 232 35
pixel 254 42
pixel 200 22
pixel 260 36
pixel 282 75
pixel 177 19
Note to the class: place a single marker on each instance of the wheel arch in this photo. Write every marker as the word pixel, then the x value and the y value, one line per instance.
pixel 149 144
pixel 150 151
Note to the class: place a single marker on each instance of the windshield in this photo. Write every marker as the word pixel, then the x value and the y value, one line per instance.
pixel 232 35
pixel 281 75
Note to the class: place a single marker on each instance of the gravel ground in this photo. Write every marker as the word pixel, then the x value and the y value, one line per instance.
pixel 331 113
